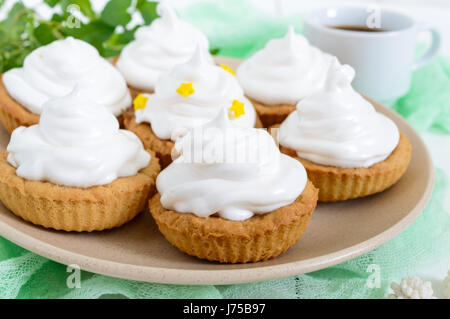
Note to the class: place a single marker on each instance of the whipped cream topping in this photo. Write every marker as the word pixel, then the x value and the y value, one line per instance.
pixel 76 143
pixel 214 88
pixel 285 71
pixel 338 127
pixel 54 70
pixel 232 171
pixel 157 48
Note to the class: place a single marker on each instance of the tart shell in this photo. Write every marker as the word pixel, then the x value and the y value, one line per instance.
pixel 12 114
pixel 338 184
pixel 258 238
pixel 77 209
pixel 272 114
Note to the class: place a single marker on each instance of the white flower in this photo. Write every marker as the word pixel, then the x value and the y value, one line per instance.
pixel 446 286
pixel 412 288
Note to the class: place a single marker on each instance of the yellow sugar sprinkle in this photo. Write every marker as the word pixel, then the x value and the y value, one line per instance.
pixel 236 110
pixel 185 89
pixel 140 102
pixel 228 69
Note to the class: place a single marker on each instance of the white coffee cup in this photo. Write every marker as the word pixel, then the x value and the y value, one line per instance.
pixel 383 60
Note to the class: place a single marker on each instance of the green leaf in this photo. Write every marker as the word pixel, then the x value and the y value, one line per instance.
pixel 214 51
pixel 44 34
pixel 51 3
pixel 114 45
pixel 16 16
pixel 98 44
pixel 16 36
pixel 57 18
pixel 95 32
pixel 22 31
pixel 121 38
pixel 148 10
pixel 16 22
pixel 91 30
pixel 84 5
pixel 116 13
pixel 12 56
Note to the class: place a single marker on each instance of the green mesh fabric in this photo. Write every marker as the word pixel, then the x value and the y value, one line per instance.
pixel 427 104
pixel 238 29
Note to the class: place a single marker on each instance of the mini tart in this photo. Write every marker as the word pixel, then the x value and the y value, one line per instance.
pixel 258 238
pixel 338 184
pixel 272 114
pixel 77 209
pixel 162 148
pixel 12 114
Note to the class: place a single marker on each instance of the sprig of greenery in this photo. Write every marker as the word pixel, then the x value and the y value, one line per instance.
pixel 23 30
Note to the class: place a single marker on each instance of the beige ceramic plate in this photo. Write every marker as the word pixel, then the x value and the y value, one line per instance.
pixel 337 232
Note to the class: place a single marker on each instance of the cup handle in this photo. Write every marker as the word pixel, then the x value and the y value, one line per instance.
pixel 432 50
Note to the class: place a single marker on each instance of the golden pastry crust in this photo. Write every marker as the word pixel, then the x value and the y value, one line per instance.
pixel 12 114
pixel 338 184
pixel 162 148
pixel 77 209
pixel 272 114
pixel 258 238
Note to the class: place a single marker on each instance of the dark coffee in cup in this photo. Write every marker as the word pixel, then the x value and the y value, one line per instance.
pixel 359 28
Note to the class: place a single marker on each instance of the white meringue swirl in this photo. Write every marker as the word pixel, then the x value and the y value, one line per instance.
pixel 76 143
pixel 54 70
pixel 338 127
pixel 234 172
pixel 157 48
pixel 285 71
pixel 166 110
